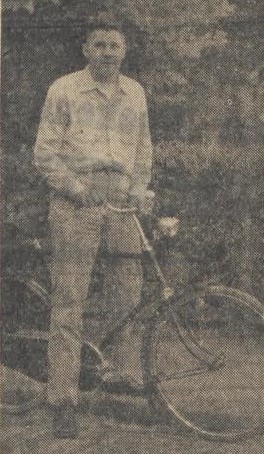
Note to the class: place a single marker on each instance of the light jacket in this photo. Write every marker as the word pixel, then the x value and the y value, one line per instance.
pixel 88 139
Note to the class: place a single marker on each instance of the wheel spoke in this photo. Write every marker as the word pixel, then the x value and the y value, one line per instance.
pixel 182 374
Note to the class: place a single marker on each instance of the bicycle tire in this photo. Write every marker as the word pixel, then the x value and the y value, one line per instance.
pixel 203 366
pixel 21 400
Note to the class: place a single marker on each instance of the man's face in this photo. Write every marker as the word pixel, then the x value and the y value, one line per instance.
pixel 105 50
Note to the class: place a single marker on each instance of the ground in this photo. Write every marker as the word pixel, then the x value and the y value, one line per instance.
pixel 115 426
pixel 111 424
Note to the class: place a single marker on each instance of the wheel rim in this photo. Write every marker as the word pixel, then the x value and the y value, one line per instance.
pixel 225 403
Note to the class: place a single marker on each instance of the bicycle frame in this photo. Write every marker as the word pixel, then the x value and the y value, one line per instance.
pixel 142 311
pixel 138 312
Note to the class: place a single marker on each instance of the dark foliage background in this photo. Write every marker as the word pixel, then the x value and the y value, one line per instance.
pixel 200 62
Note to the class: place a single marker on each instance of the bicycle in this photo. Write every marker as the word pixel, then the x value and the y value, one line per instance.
pixel 201 355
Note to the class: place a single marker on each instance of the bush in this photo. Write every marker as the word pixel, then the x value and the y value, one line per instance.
pixel 217 194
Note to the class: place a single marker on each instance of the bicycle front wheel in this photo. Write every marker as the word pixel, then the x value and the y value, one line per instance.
pixel 203 362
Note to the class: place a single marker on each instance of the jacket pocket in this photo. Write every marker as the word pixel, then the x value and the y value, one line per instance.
pixel 83 134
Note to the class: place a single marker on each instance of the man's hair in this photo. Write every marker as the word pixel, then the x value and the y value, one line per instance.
pixel 103 21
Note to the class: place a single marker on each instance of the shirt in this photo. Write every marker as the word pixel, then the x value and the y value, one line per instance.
pixel 87 138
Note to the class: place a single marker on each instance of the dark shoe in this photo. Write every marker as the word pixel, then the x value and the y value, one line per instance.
pixel 64 421
pixel 122 385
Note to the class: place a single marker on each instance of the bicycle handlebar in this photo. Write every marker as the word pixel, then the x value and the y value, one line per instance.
pixel 121 210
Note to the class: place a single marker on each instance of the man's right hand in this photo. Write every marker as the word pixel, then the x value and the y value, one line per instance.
pixel 84 198
pixel 78 199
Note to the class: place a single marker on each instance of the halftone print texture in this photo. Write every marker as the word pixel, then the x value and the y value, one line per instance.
pixel 132 331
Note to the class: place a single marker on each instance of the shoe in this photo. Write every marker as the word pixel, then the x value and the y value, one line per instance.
pixel 64 420
pixel 125 384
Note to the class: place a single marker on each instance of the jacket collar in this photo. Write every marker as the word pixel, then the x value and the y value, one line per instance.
pixel 87 83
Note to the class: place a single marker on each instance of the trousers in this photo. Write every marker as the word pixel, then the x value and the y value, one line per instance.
pixel 76 234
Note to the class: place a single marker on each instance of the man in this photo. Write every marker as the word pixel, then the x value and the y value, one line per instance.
pixel 93 147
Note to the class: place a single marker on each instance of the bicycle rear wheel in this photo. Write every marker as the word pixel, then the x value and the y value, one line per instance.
pixel 23 302
pixel 203 363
